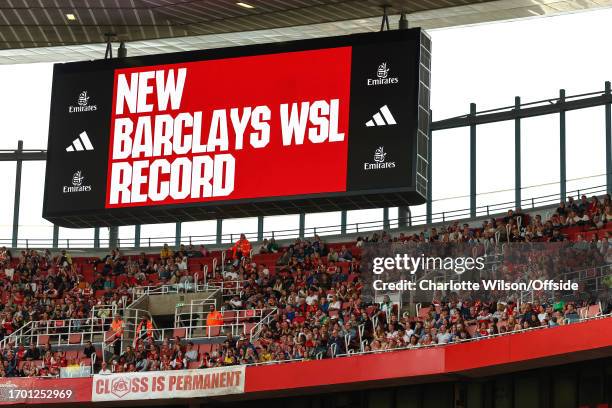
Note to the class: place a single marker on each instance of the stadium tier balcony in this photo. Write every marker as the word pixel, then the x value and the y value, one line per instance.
pixel 263 303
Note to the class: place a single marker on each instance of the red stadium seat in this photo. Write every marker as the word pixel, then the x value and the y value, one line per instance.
pixel 214 331
pixel 75 338
pixel 593 310
pixel 423 312
pixel 43 339
pixel 180 332
pixel 248 327
pixel 241 316
pixel 72 354
pixel 205 348
pixel 229 317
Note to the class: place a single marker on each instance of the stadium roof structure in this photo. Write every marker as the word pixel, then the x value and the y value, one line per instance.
pixel 63 30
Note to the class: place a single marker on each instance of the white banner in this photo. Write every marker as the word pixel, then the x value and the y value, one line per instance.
pixel 168 384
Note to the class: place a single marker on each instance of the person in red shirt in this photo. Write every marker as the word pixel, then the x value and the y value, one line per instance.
pixel 312 309
pixel 241 248
pixel 21 352
pixel 87 290
pixel 63 361
pixel 54 365
pixel 18 298
pixel 7 324
pixel 510 308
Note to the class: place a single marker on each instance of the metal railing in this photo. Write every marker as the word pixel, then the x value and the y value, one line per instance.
pixel 592 279
pixel 334 354
pixel 131 319
pixel 353 228
pixel 182 287
pixel 60 332
pixel 191 319
pixel 265 320
pixel 227 288
pixel 195 311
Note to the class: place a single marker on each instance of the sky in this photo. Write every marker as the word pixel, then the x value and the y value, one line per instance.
pixel 488 64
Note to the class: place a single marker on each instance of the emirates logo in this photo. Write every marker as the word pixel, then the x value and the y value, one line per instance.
pixel 382 70
pixel 77 179
pixel 379 155
pixel 380 163
pixel 82 104
pixel 382 76
pixel 83 99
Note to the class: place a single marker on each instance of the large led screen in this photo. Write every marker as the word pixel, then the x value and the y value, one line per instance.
pixel 313 125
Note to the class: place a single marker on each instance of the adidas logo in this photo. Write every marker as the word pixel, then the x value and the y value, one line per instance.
pixel 382 118
pixel 80 143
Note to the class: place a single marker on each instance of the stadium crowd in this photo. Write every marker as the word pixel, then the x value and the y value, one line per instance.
pixel 316 289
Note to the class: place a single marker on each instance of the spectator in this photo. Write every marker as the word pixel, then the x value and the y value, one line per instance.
pixel 345 255
pixel 89 350
pixel 32 353
pixel 191 354
pixel 129 356
pixel 571 315
pixel 64 259
pixel 144 329
pixel 117 327
pixel 272 246
pixel 242 248
pixel 104 370
pixel 263 248
pixel 214 317
pixel 166 252
pixel 332 255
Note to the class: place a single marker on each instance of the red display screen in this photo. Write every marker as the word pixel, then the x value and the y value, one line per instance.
pixel 237 128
